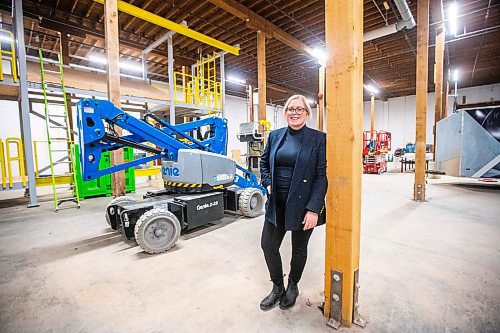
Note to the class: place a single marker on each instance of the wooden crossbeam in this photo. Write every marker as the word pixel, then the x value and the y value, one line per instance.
pixel 258 23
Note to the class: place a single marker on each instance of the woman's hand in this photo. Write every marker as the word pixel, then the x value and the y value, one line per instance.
pixel 269 190
pixel 310 220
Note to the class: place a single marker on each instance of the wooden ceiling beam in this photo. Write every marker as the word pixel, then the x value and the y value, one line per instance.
pixel 145 23
pixel 259 23
pixel 183 14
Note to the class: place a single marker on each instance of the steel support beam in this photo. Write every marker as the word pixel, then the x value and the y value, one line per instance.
pixel 179 28
pixel 223 84
pixel 24 102
pixel 372 115
pixel 145 52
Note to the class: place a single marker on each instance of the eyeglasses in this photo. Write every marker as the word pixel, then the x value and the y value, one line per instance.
pixel 298 110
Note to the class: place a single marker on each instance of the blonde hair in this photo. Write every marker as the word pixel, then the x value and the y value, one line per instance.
pixel 304 101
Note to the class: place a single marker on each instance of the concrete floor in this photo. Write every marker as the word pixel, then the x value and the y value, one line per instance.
pixel 425 267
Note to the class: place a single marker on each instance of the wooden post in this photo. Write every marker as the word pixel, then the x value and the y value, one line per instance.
pixel 446 87
pixel 321 98
pixel 344 119
pixel 372 115
pixel 422 81
pixel 251 110
pixel 261 73
pixel 64 47
pixel 113 58
pixel 438 79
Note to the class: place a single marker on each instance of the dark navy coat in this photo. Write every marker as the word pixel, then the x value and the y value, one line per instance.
pixel 309 183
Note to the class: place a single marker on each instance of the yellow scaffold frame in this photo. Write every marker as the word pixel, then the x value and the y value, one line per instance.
pixel 10 56
pixel 201 88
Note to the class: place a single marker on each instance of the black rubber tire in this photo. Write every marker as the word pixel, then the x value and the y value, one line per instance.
pixel 145 229
pixel 251 202
pixel 117 200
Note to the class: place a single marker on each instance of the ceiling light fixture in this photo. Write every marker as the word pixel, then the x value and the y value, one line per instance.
pixel 320 55
pixel 236 80
pixel 371 89
pixel 127 66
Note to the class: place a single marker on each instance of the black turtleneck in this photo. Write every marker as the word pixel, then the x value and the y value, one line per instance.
pixel 287 152
pixel 285 159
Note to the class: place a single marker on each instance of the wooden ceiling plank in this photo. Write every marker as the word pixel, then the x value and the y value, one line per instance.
pixel 262 24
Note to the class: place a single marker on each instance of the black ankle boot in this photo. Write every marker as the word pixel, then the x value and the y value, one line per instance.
pixel 291 293
pixel 273 298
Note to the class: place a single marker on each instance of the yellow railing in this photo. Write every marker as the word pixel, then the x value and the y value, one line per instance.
pixel 201 87
pixel 266 125
pixel 9 55
pixel 198 91
pixel 19 158
pixel 35 151
pixel 2 165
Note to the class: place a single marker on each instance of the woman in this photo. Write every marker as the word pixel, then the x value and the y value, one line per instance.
pixel 293 168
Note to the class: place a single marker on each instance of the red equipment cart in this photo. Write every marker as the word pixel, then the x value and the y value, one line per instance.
pixel 376 145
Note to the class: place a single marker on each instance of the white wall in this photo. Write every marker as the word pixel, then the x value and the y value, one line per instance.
pixel 397 115
pixel 10 126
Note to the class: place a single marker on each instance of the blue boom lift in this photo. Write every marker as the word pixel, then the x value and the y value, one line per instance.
pixel 200 181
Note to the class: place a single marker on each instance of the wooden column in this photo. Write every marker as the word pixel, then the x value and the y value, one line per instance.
pixel 113 75
pixel 422 83
pixel 446 86
pixel 321 98
pixel 446 90
pixel 372 115
pixel 261 73
pixel 65 48
pixel 438 79
pixel 344 119
pixel 251 111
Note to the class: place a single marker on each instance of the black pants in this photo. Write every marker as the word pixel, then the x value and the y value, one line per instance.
pixel 272 237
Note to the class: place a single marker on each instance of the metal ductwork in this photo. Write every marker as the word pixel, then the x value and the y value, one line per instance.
pixel 407 22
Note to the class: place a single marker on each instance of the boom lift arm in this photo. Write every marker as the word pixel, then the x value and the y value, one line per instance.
pixel 95 139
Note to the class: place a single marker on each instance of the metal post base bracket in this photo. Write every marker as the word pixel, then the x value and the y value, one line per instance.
pixel 356 317
pixel 336 300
